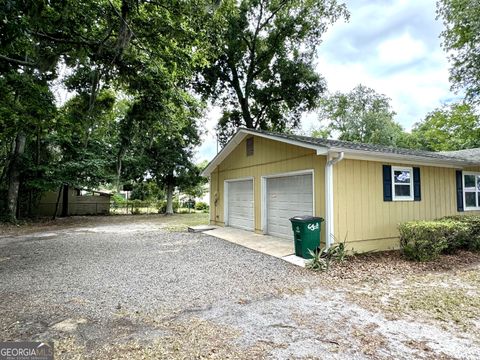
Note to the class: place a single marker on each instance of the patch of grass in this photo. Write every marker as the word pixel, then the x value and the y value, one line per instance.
pixel 180 222
pixel 451 298
pixel 445 304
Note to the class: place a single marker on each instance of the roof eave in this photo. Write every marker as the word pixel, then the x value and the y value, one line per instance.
pixel 414 159
pixel 242 133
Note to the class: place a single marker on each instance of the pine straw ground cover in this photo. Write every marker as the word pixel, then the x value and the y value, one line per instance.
pixel 444 291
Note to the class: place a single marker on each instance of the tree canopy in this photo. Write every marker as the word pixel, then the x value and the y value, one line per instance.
pixel 129 65
pixel 262 70
pixel 460 39
pixel 361 115
pixel 452 127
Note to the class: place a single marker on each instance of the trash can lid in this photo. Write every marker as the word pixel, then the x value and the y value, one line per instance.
pixel 305 218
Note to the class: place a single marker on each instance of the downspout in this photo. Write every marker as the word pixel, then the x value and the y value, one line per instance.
pixel 329 230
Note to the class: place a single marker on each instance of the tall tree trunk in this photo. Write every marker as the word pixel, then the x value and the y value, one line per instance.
pixel 120 154
pixel 169 210
pixel 65 201
pixel 32 193
pixel 18 148
pixel 242 97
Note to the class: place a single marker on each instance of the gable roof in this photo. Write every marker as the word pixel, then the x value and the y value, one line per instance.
pixel 352 150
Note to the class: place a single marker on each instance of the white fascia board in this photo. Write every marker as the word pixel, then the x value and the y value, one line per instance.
pixel 242 133
pixel 400 158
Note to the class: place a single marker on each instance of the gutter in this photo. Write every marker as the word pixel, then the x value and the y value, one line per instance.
pixel 329 229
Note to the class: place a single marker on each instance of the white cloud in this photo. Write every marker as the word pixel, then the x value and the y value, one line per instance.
pixel 394 48
pixel 400 50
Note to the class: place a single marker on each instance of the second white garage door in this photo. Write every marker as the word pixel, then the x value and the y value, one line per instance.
pixel 240 204
pixel 287 197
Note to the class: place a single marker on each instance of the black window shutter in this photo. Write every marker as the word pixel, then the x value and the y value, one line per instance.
pixel 387 183
pixel 417 188
pixel 459 190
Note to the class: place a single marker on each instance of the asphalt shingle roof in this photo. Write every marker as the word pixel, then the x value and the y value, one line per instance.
pixel 468 154
pixel 462 155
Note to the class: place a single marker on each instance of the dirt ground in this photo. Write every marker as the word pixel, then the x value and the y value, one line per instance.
pixel 140 287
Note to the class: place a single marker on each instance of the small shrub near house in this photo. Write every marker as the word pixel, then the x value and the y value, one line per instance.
pixel 322 258
pixel 426 240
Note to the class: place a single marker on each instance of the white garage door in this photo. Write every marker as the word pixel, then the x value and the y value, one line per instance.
pixel 240 204
pixel 287 197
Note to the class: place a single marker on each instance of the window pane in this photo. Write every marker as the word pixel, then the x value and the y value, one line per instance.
pixel 478 182
pixel 402 190
pixel 469 181
pixel 470 199
pixel 401 176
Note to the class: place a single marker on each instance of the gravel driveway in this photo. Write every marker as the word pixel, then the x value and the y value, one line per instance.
pixel 135 290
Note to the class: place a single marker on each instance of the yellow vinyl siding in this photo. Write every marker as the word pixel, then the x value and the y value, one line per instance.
pixel 269 158
pixel 473 168
pixel 361 217
pixel 369 223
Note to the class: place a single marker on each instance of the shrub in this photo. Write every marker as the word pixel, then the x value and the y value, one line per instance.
pixel 118 199
pixel 136 205
pixel 423 240
pixel 426 240
pixel 201 206
pixel 472 223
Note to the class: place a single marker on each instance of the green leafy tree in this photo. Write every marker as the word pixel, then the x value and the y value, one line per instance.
pixel 26 111
pixel 147 190
pixel 193 184
pixel 452 127
pixel 262 71
pixel 171 150
pixel 362 115
pixel 104 44
pixel 460 39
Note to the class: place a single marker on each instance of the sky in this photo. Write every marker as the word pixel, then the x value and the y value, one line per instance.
pixel 392 46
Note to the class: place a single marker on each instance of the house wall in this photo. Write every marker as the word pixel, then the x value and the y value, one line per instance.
pixel 48 200
pixel 89 205
pixel 368 222
pixel 270 157
pixel 77 205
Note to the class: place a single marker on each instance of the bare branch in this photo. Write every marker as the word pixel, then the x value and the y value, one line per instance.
pixel 60 40
pixel 17 62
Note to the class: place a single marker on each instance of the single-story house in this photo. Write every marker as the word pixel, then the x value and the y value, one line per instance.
pixel 260 179
pixel 73 201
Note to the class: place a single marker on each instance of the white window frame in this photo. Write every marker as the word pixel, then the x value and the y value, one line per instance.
pixel 476 191
pixel 402 198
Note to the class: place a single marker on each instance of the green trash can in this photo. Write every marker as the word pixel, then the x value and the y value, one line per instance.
pixel 306 234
